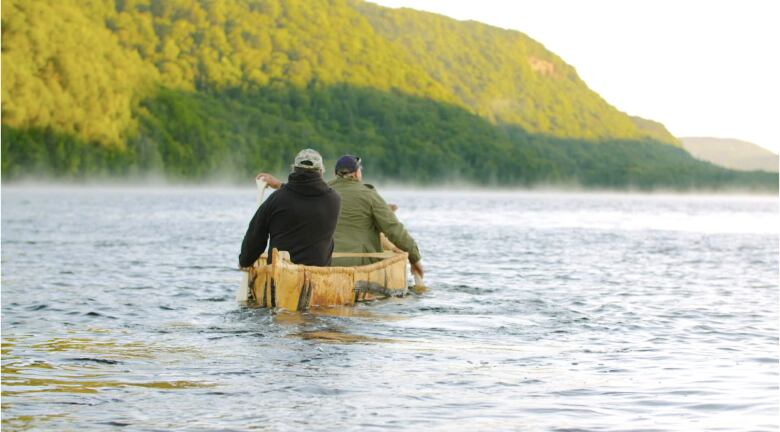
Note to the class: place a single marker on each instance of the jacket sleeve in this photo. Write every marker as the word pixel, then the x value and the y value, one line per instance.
pixel 256 237
pixel 385 220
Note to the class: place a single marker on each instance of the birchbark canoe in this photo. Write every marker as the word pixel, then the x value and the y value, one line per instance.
pixel 286 285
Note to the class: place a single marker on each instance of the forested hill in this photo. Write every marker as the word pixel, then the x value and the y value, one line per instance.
pixel 198 88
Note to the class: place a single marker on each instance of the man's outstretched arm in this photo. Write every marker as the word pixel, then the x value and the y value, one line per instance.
pixel 256 237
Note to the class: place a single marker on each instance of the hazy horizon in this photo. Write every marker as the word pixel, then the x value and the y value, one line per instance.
pixel 138 184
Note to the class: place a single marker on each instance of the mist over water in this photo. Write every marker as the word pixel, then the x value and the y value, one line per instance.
pixel 545 311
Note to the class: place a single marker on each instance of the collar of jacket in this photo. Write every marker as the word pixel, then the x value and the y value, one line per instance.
pixel 338 180
pixel 306 183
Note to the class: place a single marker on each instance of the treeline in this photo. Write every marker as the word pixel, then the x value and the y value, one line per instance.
pixel 234 133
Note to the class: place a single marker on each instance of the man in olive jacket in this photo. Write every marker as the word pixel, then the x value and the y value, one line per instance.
pixel 364 215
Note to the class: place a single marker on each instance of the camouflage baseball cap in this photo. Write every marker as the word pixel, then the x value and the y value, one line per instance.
pixel 309 159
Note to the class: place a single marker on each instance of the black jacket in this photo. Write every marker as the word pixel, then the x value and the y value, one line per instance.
pixel 300 218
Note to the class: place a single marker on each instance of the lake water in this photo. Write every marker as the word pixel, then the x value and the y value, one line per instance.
pixel 545 311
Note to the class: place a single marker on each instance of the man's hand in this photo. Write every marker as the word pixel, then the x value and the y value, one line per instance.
pixel 393 207
pixel 417 268
pixel 270 180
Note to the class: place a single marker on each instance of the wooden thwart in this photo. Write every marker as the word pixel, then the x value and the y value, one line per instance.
pixel 364 255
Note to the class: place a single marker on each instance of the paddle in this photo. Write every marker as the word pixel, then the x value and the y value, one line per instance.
pixel 419 285
pixel 242 295
pixel 261 186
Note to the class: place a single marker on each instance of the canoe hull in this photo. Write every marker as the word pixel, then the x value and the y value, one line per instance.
pixel 294 287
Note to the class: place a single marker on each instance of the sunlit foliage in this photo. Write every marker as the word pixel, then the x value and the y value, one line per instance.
pixel 81 67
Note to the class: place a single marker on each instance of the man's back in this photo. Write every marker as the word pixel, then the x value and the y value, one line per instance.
pixel 300 218
pixel 364 215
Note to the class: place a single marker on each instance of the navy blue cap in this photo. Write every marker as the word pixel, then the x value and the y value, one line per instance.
pixel 347 164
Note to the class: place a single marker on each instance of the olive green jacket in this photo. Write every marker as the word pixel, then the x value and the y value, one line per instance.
pixel 364 214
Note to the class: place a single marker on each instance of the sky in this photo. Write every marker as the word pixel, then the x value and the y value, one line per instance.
pixel 701 67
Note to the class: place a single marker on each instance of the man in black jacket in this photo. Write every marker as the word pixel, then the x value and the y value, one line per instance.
pixel 300 218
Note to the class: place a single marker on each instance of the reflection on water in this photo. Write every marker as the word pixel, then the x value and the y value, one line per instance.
pixel 339 337
pixel 544 312
pixel 30 422
pixel 82 385
pixel 83 373
pixel 353 312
